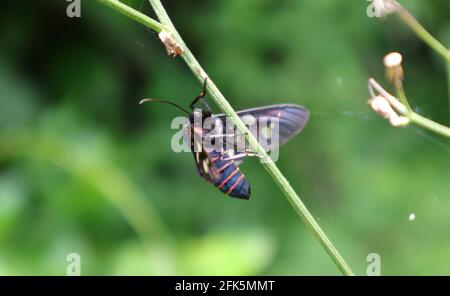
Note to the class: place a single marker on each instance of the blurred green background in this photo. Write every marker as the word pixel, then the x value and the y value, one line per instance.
pixel 85 169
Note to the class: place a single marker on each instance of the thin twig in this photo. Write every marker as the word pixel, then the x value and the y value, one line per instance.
pixel 448 84
pixel 420 31
pixel 134 14
pixel 268 164
pixel 439 48
pixel 430 124
pixel 404 111
pixel 392 100
pixel 423 34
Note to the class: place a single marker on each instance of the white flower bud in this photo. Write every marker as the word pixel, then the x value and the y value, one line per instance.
pixel 383 7
pixel 398 121
pixel 393 65
pixel 382 106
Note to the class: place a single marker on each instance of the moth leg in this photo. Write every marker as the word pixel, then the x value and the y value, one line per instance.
pixel 220 135
pixel 200 97
pixel 242 155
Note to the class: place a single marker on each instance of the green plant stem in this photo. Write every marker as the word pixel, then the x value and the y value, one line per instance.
pixel 439 48
pixel 223 104
pixel 448 84
pixel 405 111
pixel 421 32
pixel 429 124
pixel 402 96
pixel 269 165
pixel 419 119
pixel 134 14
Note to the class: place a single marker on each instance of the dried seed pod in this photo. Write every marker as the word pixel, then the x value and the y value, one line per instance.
pixel 172 47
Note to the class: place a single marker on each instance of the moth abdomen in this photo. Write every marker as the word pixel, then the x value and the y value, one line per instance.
pixel 231 180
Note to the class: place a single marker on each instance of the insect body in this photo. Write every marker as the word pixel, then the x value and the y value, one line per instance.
pixel 229 179
pixel 214 165
pixel 220 165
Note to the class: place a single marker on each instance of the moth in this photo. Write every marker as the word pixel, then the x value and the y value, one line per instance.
pixel 217 159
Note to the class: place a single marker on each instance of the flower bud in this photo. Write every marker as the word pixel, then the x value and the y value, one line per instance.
pixel 382 106
pixel 393 65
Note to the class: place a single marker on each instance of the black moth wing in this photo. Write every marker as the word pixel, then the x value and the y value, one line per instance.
pixel 291 119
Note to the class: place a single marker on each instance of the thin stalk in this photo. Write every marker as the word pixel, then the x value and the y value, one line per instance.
pixel 268 164
pixel 423 34
pixel 448 84
pixel 391 99
pixel 134 14
pixel 429 124
pixel 402 96
pixel 420 31
pixel 419 119
pixel 223 104
pixel 405 111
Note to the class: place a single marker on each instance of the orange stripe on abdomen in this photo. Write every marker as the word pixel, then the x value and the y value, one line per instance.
pixel 235 184
pixel 225 166
pixel 214 159
pixel 228 178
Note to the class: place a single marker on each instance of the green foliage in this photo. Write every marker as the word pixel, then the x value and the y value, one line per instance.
pixel 84 168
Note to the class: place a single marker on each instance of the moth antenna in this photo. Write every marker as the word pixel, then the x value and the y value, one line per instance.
pixel 148 100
